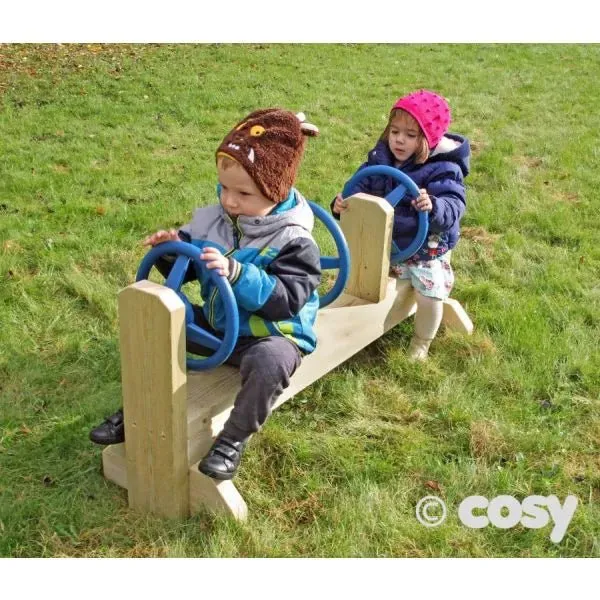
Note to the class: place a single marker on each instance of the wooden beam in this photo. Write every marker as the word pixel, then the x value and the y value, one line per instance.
pixel 455 317
pixel 343 329
pixel 114 464
pixel 152 326
pixel 216 496
pixel 367 226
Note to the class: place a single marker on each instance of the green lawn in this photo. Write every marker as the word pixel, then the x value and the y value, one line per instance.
pixel 101 145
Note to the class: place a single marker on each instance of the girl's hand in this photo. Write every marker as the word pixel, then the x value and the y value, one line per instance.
pixel 340 205
pixel 423 202
pixel 161 236
pixel 215 260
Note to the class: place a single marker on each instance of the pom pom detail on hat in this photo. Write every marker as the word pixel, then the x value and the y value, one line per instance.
pixel 269 144
pixel 431 112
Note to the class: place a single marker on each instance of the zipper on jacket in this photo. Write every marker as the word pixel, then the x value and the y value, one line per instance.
pixel 237 235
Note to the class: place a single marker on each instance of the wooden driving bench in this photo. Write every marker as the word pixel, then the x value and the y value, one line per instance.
pixel 171 416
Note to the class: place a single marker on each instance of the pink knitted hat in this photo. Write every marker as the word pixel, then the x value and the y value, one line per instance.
pixel 430 111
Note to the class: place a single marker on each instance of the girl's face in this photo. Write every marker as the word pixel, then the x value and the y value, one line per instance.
pixel 403 136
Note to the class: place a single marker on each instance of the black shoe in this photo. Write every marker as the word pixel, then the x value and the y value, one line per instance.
pixel 223 458
pixel 112 431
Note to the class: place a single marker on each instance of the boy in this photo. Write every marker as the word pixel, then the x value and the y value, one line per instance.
pixel 259 238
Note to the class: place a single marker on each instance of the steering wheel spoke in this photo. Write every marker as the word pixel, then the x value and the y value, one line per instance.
pixel 330 262
pixel 396 195
pixel 177 274
pixel 202 337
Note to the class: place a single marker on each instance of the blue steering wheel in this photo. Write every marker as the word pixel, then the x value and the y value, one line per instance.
pixel 187 253
pixel 340 262
pixel 406 190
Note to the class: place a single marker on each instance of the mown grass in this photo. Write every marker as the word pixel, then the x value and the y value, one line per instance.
pixel 100 145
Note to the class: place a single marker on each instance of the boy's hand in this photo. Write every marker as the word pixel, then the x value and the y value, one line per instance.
pixel 215 260
pixel 161 236
pixel 423 202
pixel 340 205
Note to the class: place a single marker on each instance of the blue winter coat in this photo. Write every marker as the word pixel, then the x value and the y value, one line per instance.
pixel 442 175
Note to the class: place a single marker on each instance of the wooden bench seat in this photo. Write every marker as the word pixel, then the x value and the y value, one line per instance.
pixel 172 416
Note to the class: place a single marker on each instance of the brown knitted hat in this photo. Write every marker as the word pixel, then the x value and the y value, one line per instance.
pixel 269 144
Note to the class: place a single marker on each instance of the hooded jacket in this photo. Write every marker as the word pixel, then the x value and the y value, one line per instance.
pixel 442 175
pixel 274 269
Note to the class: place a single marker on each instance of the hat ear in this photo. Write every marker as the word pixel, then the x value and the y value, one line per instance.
pixel 307 128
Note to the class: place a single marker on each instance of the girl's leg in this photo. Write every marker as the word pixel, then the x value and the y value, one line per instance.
pixel 427 322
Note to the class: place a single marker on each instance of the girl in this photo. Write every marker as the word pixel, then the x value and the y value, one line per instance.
pixel 416 141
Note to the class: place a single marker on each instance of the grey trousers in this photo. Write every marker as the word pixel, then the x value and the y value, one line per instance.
pixel 266 365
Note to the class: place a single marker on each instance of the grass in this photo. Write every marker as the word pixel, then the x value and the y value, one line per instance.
pixel 100 145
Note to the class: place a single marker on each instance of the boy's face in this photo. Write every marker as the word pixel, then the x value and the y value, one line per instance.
pixel 239 194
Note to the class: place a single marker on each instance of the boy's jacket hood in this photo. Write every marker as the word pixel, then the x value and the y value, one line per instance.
pixel 291 219
pixel 295 210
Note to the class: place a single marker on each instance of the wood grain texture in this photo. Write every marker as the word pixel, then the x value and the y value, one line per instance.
pixel 152 337
pixel 367 226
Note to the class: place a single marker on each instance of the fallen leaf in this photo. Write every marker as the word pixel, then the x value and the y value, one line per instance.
pixel 433 485
pixel 9 245
pixel 415 415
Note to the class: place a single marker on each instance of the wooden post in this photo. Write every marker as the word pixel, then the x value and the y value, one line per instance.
pixel 152 324
pixel 367 226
